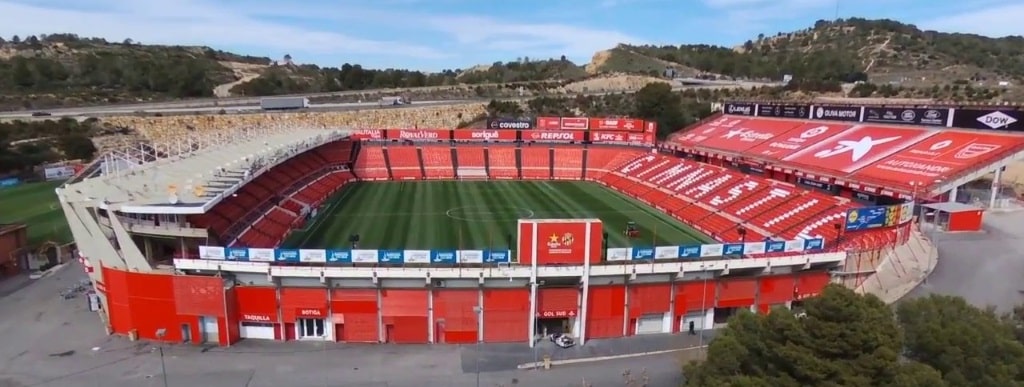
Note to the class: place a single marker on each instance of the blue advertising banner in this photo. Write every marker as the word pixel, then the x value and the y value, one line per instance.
pixel 866 218
pixel 339 256
pixel 689 251
pixel 732 249
pixel 286 255
pixel 443 257
pixel 395 257
pixel 497 256
pixel 236 254
pixel 775 246
pixel 642 253
pixel 9 182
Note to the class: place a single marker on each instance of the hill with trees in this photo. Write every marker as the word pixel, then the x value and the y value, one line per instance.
pixel 845 339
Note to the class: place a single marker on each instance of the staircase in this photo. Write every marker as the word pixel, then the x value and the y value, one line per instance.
pixel 455 162
pixel 387 163
pixel 519 162
pixel 551 163
pixel 583 171
pixel 423 169
pixel 487 161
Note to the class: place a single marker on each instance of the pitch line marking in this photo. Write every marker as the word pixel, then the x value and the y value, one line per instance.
pixel 486 216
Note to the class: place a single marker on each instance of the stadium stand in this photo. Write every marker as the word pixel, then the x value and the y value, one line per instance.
pixel 437 162
pixel 404 162
pixel 371 164
pixel 568 163
pixel 471 161
pixel 501 161
pixel 536 161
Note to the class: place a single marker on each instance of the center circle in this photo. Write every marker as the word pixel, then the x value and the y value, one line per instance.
pixel 489 214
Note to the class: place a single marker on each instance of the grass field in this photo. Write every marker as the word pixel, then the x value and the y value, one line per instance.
pixel 476 215
pixel 35 204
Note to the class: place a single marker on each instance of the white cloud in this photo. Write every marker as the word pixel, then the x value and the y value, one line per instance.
pixel 996 21
pixel 190 22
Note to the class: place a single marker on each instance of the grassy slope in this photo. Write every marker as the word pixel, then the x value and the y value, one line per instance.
pixel 35 205
pixel 415 215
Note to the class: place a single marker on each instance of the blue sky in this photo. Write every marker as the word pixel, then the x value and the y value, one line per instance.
pixel 438 34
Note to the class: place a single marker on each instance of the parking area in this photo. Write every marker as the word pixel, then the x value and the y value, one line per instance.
pixel 49 341
pixel 985 268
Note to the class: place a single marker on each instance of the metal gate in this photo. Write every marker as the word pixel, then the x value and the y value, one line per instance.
pixel 651 323
pixel 209 329
pixel 696 318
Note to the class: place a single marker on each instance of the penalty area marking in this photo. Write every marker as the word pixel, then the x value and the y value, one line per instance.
pixel 483 214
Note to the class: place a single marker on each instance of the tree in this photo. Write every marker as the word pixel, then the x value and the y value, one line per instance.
pixel 77 147
pixel 967 345
pixel 656 102
pixel 845 339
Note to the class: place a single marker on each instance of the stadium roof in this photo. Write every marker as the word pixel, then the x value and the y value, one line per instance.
pixel 865 157
pixel 192 174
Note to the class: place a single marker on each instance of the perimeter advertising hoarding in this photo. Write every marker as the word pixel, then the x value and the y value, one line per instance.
pixel 484 135
pixel 837 113
pixel 866 218
pixel 989 119
pixel 367 134
pixel 784 111
pixel 575 123
pixel 551 135
pixel 907 116
pixel 632 138
pixel 548 123
pixel 617 124
pixel 740 109
pixel 510 123
pixel 419 134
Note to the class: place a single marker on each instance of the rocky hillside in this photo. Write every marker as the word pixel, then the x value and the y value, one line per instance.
pixel 38 72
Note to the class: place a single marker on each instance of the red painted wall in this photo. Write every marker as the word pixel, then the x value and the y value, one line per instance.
pixel 455 320
pixel 506 315
pixel 695 296
pixel 736 293
pixel 357 309
pixel 774 290
pixel 810 284
pixel 293 299
pixel 605 311
pixel 649 299
pixel 965 221
pixel 404 312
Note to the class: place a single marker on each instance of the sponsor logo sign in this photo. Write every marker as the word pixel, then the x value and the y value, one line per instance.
pixel 1011 120
pixel 484 135
pixel 443 257
pixel 621 137
pixel 255 317
pixel 556 313
pixel 548 123
pixel 747 135
pixel 367 134
pixel 784 111
pixel 286 255
pixel 59 173
pixel 796 139
pixel 866 218
pixel 418 134
pixel 509 123
pixel 620 124
pixel 548 135
pixel 836 113
pixel 310 312
pixel 650 127
pixel 575 123
pixel 912 116
pixel 9 182
pixel 740 109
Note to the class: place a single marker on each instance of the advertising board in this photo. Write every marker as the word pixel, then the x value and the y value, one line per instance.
pixel 367 134
pixel 484 135
pixel 912 116
pixel 419 134
pixel 990 119
pixel 740 109
pixel 575 123
pixel 510 123
pixel 629 138
pixel 866 218
pixel 548 123
pixel 837 113
pixel 784 110
pixel 59 173
pixel 617 124
pixel 551 135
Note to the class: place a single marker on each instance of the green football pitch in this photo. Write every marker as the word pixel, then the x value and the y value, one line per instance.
pixel 35 204
pixel 477 215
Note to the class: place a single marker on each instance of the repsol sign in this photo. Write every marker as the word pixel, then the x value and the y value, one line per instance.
pixel 837 113
pixel 505 123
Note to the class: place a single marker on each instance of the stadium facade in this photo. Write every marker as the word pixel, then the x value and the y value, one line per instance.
pixel 182 240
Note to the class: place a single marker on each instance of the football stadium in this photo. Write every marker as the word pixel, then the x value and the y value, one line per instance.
pixel 299 229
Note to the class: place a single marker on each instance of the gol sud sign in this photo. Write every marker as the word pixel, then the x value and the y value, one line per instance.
pixel 609 137
pixel 484 135
pixel 419 134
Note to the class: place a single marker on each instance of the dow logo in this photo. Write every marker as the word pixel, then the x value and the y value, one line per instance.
pixel 996 120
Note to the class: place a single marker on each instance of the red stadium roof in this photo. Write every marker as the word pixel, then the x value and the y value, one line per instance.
pixel 940 157
pixel 886 156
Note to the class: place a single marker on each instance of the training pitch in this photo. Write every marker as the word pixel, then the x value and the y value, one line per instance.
pixel 35 204
pixel 463 215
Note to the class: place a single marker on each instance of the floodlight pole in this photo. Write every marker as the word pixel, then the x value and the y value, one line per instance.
pixel 160 333
pixel 478 311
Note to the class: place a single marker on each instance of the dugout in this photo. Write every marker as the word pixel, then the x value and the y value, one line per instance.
pixel 954 216
pixel 13 248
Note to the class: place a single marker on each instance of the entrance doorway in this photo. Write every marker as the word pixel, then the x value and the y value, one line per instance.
pixel 310 328
pixel 549 326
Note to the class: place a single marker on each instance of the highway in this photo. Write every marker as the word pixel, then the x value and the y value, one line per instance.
pixel 251 104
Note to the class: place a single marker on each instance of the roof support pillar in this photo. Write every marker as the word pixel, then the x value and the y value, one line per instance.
pixel 996 184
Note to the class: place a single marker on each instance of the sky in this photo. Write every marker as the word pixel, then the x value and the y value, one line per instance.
pixel 432 35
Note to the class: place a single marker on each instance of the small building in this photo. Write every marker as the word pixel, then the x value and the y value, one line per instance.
pixel 955 216
pixel 13 248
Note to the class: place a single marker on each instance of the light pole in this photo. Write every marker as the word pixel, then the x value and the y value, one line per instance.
pixel 478 311
pixel 160 334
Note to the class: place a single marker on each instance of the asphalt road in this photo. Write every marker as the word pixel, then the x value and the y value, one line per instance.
pixel 986 269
